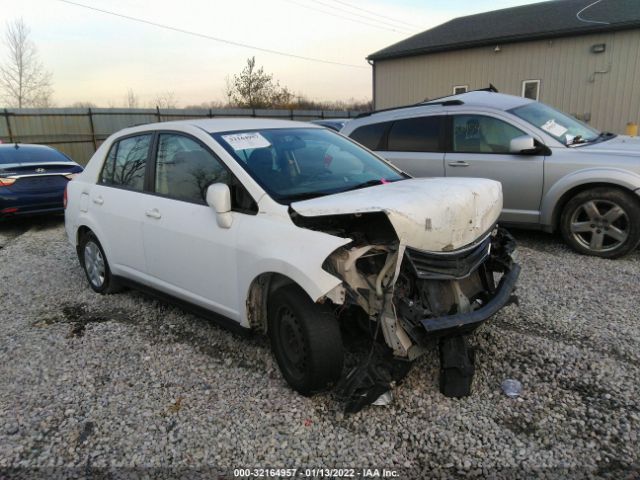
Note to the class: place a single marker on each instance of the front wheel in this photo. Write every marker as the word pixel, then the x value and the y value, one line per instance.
pixel 602 221
pixel 305 339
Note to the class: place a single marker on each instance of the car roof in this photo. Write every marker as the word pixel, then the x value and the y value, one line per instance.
pixel 25 146
pixel 215 125
pixel 477 98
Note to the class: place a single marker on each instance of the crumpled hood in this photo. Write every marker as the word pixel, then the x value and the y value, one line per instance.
pixel 432 214
pixel 620 145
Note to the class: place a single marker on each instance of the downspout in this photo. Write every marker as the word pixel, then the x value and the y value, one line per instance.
pixel 373 82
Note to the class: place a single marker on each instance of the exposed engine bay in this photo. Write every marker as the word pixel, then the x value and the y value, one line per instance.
pixel 417 298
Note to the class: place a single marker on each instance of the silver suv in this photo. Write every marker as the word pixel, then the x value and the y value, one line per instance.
pixel 556 172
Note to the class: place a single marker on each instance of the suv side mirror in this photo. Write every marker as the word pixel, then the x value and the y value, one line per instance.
pixel 523 144
pixel 219 198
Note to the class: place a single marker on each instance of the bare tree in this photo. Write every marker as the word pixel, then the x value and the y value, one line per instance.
pixel 166 99
pixel 131 100
pixel 82 104
pixel 228 90
pixel 24 82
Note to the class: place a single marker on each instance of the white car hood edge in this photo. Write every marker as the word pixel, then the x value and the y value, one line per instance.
pixel 430 214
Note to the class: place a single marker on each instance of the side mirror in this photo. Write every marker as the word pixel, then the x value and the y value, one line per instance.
pixel 219 198
pixel 523 144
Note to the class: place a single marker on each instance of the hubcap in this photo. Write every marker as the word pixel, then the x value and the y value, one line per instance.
pixel 292 341
pixel 600 225
pixel 94 264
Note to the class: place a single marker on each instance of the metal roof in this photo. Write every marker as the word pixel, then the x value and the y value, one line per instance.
pixel 550 19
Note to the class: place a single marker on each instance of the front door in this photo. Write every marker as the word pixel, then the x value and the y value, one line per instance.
pixel 187 253
pixel 480 148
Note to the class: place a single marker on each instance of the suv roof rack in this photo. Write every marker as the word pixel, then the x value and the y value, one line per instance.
pixel 419 104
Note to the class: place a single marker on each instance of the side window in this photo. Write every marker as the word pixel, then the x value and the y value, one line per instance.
pixel 480 134
pixel 531 89
pixel 184 169
pixel 370 135
pixel 126 163
pixel 420 134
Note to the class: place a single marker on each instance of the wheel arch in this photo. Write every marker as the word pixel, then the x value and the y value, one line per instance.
pixel 562 191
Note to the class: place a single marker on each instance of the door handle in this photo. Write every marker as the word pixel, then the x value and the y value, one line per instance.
pixel 98 200
pixel 459 163
pixel 153 213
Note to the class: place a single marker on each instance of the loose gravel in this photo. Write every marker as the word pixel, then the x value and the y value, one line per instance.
pixel 124 384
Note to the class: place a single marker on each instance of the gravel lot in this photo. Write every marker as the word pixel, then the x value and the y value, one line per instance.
pixel 126 382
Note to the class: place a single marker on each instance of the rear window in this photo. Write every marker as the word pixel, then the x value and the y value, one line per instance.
pixel 31 155
pixel 422 134
pixel 370 135
pixel 126 163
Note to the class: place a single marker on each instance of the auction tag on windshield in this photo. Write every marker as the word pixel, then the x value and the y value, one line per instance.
pixel 554 128
pixel 246 141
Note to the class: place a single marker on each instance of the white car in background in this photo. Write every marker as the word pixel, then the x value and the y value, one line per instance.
pixel 289 228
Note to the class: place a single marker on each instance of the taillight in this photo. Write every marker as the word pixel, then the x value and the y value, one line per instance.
pixel 5 182
pixel 64 197
pixel 71 176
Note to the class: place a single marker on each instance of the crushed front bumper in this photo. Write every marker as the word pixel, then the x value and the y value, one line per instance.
pixel 461 323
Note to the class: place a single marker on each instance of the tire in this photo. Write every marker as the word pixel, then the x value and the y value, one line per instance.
pixel 95 265
pixel 604 222
pixel 305 339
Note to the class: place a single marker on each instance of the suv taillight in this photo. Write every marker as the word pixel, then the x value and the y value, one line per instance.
pixel 5 182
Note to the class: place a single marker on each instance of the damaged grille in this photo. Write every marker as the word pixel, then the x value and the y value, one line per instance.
pixel 448 266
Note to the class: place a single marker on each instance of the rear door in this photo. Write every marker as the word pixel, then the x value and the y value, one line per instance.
pixel 116 203
pixel 479 147
pixel 188 254
pixel 416 145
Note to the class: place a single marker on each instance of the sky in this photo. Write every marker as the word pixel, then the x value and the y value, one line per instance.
pixel 95 57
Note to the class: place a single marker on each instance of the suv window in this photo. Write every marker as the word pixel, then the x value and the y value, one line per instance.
pixel 420 134
pixel 481 134
pixel 126 162
pixel 184 169
pixel 370 135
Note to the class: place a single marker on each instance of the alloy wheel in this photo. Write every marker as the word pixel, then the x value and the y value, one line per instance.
pixel 94 264
pixel 600 225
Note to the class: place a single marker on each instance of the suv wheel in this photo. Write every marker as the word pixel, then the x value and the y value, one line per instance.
pixel 306 340
pixel 95 265
pixel 602 221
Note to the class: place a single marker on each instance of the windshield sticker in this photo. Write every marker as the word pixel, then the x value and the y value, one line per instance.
pixel 246 141
pixel 554 128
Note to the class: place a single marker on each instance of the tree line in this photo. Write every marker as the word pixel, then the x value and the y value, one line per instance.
pixel 25 82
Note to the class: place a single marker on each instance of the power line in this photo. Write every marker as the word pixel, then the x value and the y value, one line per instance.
pixel 376 14
pixel 209 37
pixel 365 16
pixel 341 16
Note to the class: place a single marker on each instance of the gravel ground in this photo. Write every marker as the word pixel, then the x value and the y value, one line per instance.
pixel 126 384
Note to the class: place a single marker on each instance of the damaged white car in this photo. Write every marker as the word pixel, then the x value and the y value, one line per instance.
pixel 292 230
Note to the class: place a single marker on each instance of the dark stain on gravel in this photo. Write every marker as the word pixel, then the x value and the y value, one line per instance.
pixel 87 430
pixel 79 315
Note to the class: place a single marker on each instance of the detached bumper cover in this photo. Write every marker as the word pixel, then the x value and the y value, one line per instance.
pixel 461 322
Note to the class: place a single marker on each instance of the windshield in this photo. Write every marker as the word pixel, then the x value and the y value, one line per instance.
pixel 10 154
pixel 561 126
pixel 298 163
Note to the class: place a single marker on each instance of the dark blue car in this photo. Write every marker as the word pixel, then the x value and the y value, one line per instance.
pixel 33 179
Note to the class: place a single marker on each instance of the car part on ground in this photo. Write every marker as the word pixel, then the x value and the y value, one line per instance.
pixel 543 158
pixel 305 224
pixel 33 179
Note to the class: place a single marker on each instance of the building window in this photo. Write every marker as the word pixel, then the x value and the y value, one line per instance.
pixel 531 89
pixel 458 89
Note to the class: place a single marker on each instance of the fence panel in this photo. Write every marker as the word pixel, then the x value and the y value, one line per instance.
pixel 79 131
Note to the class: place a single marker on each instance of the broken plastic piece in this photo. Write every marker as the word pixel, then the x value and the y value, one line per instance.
pixel 385 399
pixel 511 388
pixel 456 367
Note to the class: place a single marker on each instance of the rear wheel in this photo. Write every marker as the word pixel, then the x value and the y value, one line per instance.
pixel 306 340
pixel 95 265
pixel 602 221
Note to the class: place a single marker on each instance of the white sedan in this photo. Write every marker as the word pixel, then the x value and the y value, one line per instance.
pixel 289 229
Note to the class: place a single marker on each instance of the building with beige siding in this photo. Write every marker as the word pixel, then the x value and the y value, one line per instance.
pixel 580 56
